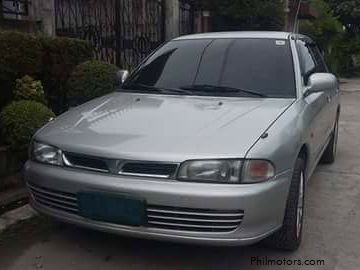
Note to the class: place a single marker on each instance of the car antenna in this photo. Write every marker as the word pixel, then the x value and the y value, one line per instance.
pixel 296 24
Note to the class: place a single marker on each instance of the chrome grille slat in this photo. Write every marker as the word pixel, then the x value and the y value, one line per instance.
pixel 54 193
pixel 45 197
pixel 55 205
pixel 193 226
pixel 59 200
pixel 194 220
pixel 195 213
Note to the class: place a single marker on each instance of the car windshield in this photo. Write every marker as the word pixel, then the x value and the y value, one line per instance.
pixel 218 67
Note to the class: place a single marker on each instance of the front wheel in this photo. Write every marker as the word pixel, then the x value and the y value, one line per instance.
pixel 290 235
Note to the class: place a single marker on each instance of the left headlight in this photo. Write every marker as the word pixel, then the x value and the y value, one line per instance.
pixel 46 154
pixel 217 171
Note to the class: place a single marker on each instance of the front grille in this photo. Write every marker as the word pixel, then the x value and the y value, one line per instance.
pixel 120 167
pixel 162 170
pixel 63 201
pixel 196 220
pixel 85 162
pixel 160 217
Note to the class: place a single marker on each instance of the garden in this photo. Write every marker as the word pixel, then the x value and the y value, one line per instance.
pixel 40 78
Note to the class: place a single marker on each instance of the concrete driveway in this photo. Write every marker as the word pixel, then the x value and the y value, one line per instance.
pixel 332 230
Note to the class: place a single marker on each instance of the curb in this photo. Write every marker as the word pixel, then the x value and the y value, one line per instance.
pixel 15 216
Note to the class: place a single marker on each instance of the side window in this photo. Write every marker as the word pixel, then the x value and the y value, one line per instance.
pixel 307 62
pixel 320 63
pixel 311 60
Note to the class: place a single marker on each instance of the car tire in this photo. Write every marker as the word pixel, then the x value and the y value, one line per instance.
pixel 330 152
pixel 289 236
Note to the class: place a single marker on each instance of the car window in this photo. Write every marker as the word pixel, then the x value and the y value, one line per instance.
pixel 307 61
pixel 318 58
pixel 173 65
pixel 311 58
pixel 261 65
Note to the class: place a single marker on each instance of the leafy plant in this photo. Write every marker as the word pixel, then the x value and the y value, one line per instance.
pixel 326 29
pixel 21 54
pixel 348 12
pixel 60 56
pixel 92 79
pixel 29 89
pixel 21 119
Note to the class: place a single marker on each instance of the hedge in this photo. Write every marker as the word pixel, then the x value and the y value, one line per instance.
pixel 20 54
pixel 48 59
pixel 21 119
pixel 91 79
pixel 60 56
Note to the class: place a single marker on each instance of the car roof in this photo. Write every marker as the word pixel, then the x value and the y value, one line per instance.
pixel 245 34
pixel 238 34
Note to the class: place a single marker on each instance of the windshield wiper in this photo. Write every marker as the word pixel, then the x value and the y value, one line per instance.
pixel 148 88
pixel 220 89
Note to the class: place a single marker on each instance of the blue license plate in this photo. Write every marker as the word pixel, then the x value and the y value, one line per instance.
pixel 123 209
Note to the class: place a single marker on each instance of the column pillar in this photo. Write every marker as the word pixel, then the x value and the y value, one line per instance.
pixel 172 19
pixel 46 14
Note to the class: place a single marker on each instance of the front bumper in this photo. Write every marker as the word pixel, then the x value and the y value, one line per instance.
pixel 263 204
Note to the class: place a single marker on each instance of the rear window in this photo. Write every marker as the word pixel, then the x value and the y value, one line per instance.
pixel 261 65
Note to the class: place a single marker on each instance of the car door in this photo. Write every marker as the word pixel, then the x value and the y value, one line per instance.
pixel 331 105
pixel 315 104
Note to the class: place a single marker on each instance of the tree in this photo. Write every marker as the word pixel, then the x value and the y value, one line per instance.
pixel 249 14
pixel 340 47
pixel 348 12
pixel 326 29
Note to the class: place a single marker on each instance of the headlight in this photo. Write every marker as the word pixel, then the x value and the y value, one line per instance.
pixel 46 154
pixel 219 171
pixel 256 171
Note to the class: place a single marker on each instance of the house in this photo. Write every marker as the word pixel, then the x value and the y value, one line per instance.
pixel 122 32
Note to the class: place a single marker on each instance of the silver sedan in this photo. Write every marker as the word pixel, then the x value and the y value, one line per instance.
pixel 210 140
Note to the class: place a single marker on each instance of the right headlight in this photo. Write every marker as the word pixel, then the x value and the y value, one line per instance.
pixel 218 171
pixel 46 154
pixel 235 171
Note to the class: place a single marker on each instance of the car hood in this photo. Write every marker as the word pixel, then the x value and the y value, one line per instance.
pixel 163 127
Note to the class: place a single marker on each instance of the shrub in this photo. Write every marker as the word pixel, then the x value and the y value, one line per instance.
pixel 61 55
pixel 92 79
pixel 29 89
pixel 21 54
pixel 21 119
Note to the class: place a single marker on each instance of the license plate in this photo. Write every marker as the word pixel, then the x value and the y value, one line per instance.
pixel 123 210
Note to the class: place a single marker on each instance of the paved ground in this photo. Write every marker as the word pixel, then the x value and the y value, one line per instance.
pixel 332 231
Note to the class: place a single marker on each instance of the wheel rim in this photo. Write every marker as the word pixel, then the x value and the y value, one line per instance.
pixel 300 206
pixel 336 135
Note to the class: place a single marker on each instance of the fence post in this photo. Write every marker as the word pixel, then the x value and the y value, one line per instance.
pixel 172 19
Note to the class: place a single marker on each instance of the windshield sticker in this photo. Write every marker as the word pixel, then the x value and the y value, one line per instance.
pixel 280 42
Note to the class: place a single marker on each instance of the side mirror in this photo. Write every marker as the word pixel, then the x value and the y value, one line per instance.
pixel 320 82
pixel 122 75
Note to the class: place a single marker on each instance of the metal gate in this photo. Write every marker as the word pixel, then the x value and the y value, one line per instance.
pixel 122 32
